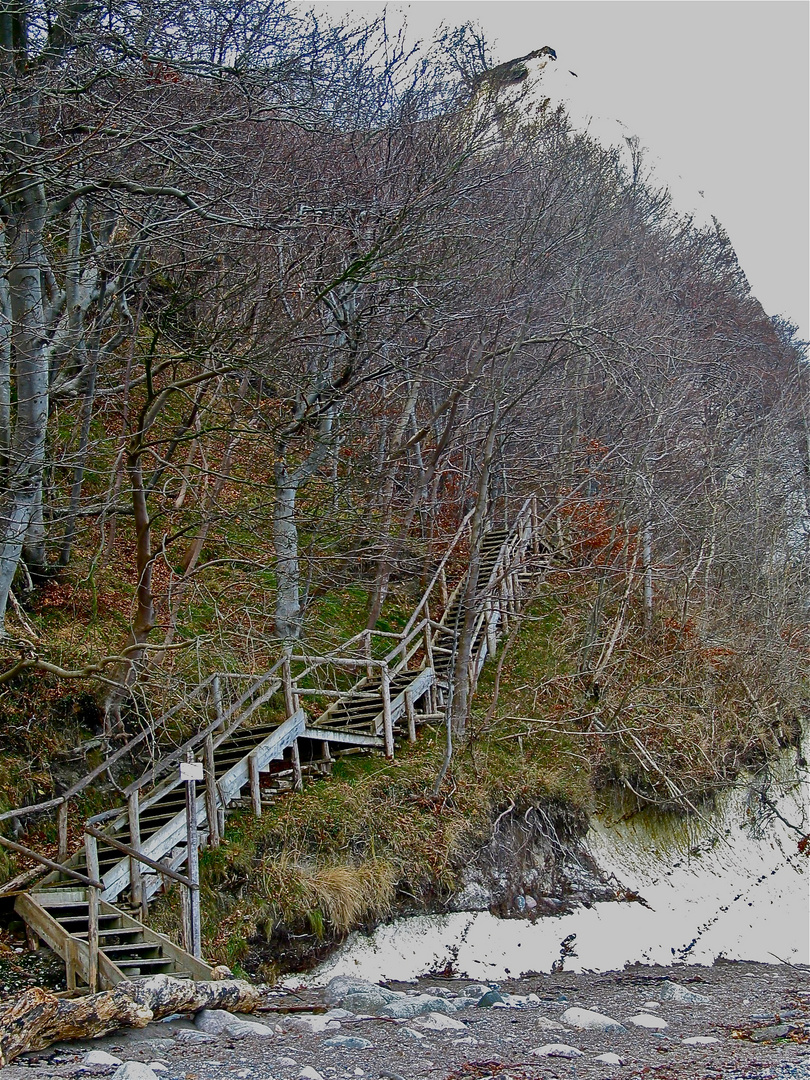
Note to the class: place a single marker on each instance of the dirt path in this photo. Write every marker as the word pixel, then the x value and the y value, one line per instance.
pixel 745 1000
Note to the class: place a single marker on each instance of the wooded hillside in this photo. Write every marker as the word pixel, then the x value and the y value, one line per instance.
pixel 280 303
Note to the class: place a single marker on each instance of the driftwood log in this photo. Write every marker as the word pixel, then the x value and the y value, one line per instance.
pixel 36 1017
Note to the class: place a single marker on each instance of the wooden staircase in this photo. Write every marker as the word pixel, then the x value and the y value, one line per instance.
pixel 131 850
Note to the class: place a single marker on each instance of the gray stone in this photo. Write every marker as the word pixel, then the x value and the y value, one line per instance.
pixel 609 1059
pixel 348 1042
pixel 490 998
pixel 358 995
pixel 437 1021
pixel 774 1031
pixel 545 1023
pixel 591 1021
pixel 406 1008
pixel 671 991
pixel 218 1022
pixel 475 990
pixel 644 1020
pixel 191 1035
pixel 700 1040
pixel 558 1050
pixel 95 1058
pixel 134 1070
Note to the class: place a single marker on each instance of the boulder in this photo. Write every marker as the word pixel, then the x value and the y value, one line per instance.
pixel 609 1059
pixel 671 991
pixel 219 1022
pixel 134 1070
pixel 644 1020
pixel 557 1050
pixel 490 998
pixel 699 1040
pixel 408 1007
pixel 358 995
pixel 437 1021
pixel 95 1059
pixel 587 1020
pixel 348 1042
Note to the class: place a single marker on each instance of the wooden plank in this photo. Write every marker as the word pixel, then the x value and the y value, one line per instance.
pixel 334 735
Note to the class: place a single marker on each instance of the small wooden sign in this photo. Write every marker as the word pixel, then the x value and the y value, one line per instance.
pixel 191 770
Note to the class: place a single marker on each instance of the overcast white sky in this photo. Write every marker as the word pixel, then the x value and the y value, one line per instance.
pixel 718 89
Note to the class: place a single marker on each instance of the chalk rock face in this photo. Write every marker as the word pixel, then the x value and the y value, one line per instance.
pixel 358 995
pixel 671 991
pixel 587 1020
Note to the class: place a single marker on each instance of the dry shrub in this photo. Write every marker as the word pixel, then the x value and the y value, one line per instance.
pixel 344 894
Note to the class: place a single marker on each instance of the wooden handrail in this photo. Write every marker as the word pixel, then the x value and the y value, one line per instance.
pixel 426 594
pixel 20 850
pixel 133 854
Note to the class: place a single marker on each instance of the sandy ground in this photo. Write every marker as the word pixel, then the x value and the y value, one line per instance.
pixel 745 998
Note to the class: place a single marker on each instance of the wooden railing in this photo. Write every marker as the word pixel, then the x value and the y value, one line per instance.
pixel 419 636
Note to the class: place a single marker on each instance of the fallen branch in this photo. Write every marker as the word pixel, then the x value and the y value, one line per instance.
pixel 36 1017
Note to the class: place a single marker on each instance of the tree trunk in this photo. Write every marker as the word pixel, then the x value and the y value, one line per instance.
pixel 288 571
pixel 27 452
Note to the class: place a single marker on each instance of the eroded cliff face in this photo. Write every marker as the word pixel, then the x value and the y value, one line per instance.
pixel 533 864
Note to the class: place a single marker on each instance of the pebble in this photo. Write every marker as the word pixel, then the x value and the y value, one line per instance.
pixel 644 1020
pixel 308 1073
pixel 591 1021
pixel 559 1050
pixel 610 1059
pixel 286 1062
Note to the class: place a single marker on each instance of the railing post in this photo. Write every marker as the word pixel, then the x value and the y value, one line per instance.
pixel 62 831
pixel 91 853
pixel 135 877
pixel 255 785
pixel 290 697
pixel 388 727
pixel 211 792
pixel 193 857
pixel 410 712
pixel 298 776
pixel 216 693
pixel 365 645
pixel 443 594
pixel 328 760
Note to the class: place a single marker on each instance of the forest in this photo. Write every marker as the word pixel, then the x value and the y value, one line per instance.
pixel 282 303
